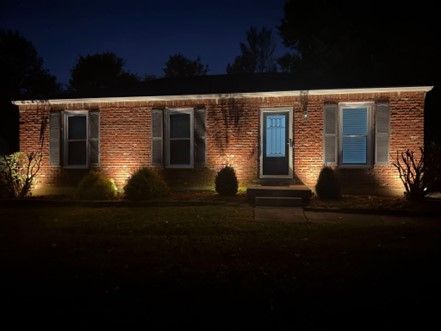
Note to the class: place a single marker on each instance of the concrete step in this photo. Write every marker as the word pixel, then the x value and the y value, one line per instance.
pixel 279 201
pixel 292 191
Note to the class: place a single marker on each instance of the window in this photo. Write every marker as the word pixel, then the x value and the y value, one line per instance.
pixel 354 135
pixel 355 142
pixel 180 138
pixel 80 139
pixel 75 154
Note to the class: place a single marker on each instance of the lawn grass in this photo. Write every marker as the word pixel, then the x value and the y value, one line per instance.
pixel 378 204
pixel 214 266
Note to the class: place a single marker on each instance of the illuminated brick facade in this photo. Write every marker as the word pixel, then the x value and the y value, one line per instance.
pixel 232 135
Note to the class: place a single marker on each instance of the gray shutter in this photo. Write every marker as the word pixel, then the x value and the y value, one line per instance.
pixel 382 129
pixel 54 138
pixel 199 137
pixel 94 138
pixel 330 133
pixel 157 134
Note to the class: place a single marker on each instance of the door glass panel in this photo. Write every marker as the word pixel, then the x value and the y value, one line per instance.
pixel 275 136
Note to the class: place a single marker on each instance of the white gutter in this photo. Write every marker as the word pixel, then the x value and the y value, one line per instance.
pixel 294 93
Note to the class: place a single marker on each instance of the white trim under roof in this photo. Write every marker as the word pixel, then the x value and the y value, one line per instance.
pixel 295 93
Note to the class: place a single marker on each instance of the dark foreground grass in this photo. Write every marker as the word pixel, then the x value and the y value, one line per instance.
pixel 214 267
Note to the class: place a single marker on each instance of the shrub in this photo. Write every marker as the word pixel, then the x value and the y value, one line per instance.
pixel 420 172
pixel 96 186
pixel 145 184
pixel 18 172
pixel 226 181
pixel 328 185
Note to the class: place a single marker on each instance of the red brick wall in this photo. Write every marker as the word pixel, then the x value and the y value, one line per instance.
pixel 406 131
pixel 232 134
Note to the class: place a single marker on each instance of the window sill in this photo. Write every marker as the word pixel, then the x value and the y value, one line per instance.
pixel 76 167
pixel 355 166
pixel 179 166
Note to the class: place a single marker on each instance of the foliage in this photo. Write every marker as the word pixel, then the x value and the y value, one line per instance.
pixel 100 73
pixel 178 65
pixel 23 76
pixel 289 62
pixel 257 53
pixel 96 186
pixel 145 184
pixel 226 181
pixel 18 172
pixel 328 185
pixel 413 173
pixel 21 69
pixel 336 42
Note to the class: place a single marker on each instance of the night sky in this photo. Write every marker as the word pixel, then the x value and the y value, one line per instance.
pixel 144 33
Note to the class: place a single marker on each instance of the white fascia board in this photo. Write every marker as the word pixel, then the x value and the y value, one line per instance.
pixel 294 93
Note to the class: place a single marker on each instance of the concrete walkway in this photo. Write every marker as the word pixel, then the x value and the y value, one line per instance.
pixel 298 215
pixel 286 214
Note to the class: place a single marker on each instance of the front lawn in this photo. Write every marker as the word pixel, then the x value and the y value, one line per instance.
pixel 214 266
pixel 373 203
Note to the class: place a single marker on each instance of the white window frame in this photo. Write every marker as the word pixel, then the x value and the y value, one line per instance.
pixel 171 111
pixel 370 133
pixel 66 115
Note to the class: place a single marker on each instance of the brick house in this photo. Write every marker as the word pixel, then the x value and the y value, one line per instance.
pixel 268 127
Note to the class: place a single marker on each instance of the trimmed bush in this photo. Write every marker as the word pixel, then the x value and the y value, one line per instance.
pixel 328 185
pixel 96 186
pixel 226 181
pixel 146 184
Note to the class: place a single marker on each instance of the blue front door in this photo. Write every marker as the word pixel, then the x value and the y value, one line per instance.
pixel 275 149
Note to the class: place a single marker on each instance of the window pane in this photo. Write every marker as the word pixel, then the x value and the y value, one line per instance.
pixel 179 125
pixel 354 150
pixel 180 152
pixel 355 121
pixel 76 153
pixel 77 127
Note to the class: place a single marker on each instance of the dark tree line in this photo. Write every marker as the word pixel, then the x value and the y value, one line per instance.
pixel 22 75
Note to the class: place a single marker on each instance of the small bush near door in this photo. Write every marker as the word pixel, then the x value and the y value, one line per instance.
pixel 96 186
pixel 328 185
pixel 146 184
pixel 226 181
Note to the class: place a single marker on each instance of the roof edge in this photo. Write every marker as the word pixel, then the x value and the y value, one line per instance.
pixel 226 95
